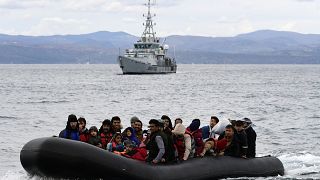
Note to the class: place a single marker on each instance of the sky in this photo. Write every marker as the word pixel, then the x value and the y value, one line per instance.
pixel 215 18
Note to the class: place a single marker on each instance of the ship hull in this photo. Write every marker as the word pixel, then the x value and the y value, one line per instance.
pixel 132 66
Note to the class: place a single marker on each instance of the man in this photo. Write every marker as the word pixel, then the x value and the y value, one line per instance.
pixel 242 138
pixel 115 125
pixel 138 130
pixel 133 120
pixel 208 131
pixel 232 148
pixel 105 133
pixel 251 137
pixel 72 129
pixel 197 136
pixel 156 144
pixel 83 131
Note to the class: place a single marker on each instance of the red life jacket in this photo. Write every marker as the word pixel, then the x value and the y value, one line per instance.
pixel 180 145
pixel 105 139
pixel 84 136
pixel 197 136
pixel 139 154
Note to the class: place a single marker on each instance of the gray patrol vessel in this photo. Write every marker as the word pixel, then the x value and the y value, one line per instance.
pixel 148 56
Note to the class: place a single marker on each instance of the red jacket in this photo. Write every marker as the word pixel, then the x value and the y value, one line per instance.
pixel 197 136
pixel 84 136
pixel 105 139
pixel 139 154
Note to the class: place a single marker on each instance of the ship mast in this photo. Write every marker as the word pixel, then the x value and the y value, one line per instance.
pixel 148 34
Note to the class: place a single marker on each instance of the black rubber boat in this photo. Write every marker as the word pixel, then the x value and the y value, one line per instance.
pixel 62 158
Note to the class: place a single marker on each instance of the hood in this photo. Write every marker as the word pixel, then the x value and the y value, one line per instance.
pixel 179 129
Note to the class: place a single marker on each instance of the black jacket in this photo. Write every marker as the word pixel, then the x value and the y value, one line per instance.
pixel 251 136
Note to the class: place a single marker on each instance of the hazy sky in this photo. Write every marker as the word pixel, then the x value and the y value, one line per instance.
pixel 174 17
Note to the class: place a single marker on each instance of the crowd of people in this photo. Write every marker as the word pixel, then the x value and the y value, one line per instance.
pixel 165 142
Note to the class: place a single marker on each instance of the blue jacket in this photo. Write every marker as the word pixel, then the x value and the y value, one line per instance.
pixel 70 134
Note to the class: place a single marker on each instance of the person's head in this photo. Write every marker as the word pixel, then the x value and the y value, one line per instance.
pixel 128 132
pixel 133 120
pixel 72 123
pixel 229 132
pixel 82 123
pixel 93 131
pixel 115 123
pixel 247 122
pixel 106 126
pixel 177 121
pixel 117 138
pixel 166 122
pixel 213 121
pixel 195 124
pixel 239 125
pixel 128 145
pixel 154 125
pixel 138 126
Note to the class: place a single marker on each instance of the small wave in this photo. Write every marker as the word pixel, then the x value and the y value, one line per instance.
pixel 7 117
pixel 304 164
pixel 47 102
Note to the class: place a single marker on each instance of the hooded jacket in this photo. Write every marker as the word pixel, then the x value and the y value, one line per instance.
pixel 183 142
pixel 133 138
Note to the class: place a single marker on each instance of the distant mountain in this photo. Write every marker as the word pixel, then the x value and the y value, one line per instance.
pixel 259 47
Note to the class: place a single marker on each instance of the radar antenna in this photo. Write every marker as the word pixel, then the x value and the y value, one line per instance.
pixel 148 34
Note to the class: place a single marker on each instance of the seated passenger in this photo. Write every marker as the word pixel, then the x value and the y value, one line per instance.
pixel 72 129
pixel 129 134
pixel 105 133
pixel 169 156
pixel 197 136
pixel 94 139
pixel 157 143
pixel 183 142
pixel 133 152
pixel 83 131
pixel 116 144
pixel 214 146
pixel 208 131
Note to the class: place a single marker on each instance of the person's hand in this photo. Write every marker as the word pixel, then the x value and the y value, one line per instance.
pixel 155 161
pixel 163 160
pixel 244 157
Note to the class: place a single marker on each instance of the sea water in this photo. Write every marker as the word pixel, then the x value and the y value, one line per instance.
pixel 283 101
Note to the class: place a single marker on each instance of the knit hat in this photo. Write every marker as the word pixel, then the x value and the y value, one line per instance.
pixel 72 118
pixel 179 129
pixel 195 124
pixel 247 120
pixel 134 119
pixel 93 128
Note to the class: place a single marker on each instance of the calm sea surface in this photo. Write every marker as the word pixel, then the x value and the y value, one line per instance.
pixel 282 100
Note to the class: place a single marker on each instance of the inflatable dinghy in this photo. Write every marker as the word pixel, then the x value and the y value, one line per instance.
pixel 63 158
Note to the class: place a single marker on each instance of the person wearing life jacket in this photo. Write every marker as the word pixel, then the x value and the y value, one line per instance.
pixel 105 133
pixel 197 136
pixel 133 152
pixel 156 143
pixel 94 138
pixel 208 131
pixel 129 134
pixel 167 129
pixel 116 124
pixel 251 136
pixel 116 144
pixel 184 142
pixel 83 131
pixel 72 129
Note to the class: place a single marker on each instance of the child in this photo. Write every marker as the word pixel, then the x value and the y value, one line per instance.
pixel 116 144
pixel 94 139
pixel 129 134
pixel 133 152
